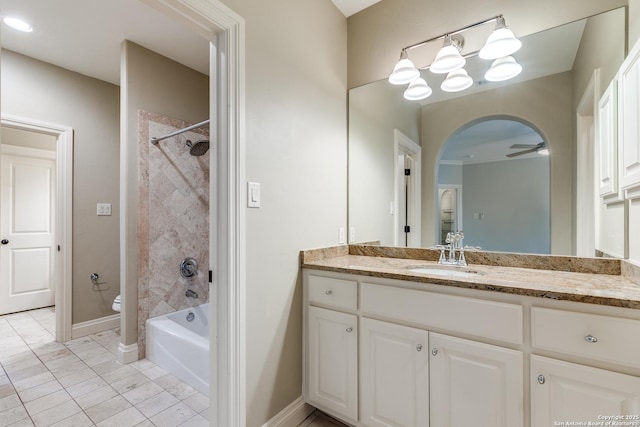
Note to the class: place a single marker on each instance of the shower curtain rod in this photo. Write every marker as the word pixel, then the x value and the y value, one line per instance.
pixel 155 140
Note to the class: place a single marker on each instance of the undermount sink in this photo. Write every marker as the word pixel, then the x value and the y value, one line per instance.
pixel 445 270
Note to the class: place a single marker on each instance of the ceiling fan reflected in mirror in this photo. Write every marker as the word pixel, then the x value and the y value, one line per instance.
pixel 540 148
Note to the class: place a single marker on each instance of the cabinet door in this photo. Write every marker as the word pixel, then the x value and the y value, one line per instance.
pixel 394 375
pixel 608 143
pixel 332 370
pixel 474 384
pixel 563 391
pixel 629 125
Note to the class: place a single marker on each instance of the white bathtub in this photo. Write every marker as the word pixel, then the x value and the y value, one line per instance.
pixel 182 347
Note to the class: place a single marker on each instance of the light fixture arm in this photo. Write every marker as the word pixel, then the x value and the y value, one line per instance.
pixel 452 33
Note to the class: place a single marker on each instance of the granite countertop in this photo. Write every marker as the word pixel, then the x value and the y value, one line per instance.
pixel 588 280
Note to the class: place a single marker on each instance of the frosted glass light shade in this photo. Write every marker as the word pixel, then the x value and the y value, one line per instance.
pixel 543 151
pixel 448 59
pixel 404 72
pixel 503 69
pixel 456 81
pixel 501 42
pixel 417 90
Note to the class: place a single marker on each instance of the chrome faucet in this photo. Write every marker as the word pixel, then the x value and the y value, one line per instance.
pixel 454 240
pixel 191 294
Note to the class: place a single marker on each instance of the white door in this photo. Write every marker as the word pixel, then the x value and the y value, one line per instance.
pixel 475 384
pixel 332 361
pixel 394 375
pixel 563 391
pixel 27 252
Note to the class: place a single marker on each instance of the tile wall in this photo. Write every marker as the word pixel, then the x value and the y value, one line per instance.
pixel 173 219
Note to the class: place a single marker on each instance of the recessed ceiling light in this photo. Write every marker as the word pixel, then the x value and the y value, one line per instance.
pixel 18 24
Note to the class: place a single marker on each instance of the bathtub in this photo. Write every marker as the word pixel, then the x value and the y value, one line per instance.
pixel 181 347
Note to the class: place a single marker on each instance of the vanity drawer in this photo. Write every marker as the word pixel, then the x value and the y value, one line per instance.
pixel 604 338
pixel 477 317
pixel 333 292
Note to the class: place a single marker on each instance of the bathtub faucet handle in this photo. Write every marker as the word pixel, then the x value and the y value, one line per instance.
pixel 191 294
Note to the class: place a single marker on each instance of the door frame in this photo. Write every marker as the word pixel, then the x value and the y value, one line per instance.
pixel 403 145
pixel 226 31
pixel 587 222
pixel 64 211
pixel 458 189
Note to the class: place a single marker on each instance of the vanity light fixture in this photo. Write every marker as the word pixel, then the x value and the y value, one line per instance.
pixel 417 90
pixel 502 42
pixel 503 69
pixel 457 81
pixel 404 72
pixel 18 24
pixel 449 59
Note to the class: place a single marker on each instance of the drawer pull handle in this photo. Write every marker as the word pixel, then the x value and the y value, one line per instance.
pixel 591 339
pixel 541 379
pixel 419 347
pixel 434 352
pixel 329 292
pixel 349 329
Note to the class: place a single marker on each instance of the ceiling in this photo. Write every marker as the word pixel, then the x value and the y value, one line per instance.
pixel 349 7
pixel 85 35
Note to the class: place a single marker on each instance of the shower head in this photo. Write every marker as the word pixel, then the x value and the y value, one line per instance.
pixel 199 148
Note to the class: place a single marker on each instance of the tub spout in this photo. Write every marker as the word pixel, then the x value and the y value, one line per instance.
pixel 191 294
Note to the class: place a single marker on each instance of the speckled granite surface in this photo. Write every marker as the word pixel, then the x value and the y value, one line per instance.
pixel 585 280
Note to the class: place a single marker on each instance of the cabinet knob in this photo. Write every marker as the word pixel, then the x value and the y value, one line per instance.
pixel 329 292
pixel 541 379
pixel 419 347
pixel 5 242
pixel 434 352
pixel 591 339
pixel 349 329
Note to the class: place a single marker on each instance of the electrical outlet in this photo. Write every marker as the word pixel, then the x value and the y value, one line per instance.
pixel 342 235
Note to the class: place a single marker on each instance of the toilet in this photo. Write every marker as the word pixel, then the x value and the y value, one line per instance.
pixel 116 304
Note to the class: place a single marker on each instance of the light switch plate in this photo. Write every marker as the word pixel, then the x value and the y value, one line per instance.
pixel 342 236
pixel 103 209
pixel 253 194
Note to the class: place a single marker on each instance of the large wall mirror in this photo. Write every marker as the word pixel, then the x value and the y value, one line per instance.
pixel 497 160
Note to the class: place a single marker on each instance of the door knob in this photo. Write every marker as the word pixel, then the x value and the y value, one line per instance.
pixel 4 241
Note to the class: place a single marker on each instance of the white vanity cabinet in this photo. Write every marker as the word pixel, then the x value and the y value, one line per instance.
pixel 607 140
pixel 563 391
pixel 629 125
pixel 394 374
pixel 385 352
pixel 475 384
pixel 332 361
pixel 331 348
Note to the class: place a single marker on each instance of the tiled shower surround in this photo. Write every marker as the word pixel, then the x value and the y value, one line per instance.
pixel 173 219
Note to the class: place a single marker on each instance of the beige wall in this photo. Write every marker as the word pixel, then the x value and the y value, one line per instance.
pixel 41 91
pixel 375 110
pixel 296 145
pixel 545 105
pixel 29 139
pixel 152 83
pixel 602 46
pixel 377 34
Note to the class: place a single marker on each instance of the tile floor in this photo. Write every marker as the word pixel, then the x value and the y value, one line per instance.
pixel 319 419
pixel 81 383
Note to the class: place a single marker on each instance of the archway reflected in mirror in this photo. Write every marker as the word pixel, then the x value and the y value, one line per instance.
pixel 501 168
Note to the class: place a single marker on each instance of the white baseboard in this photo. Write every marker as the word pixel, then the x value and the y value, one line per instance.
pixel 291 416
pixel 89 327
pixel 127 353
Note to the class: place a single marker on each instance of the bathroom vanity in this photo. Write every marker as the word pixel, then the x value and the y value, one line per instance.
pixel 516 343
